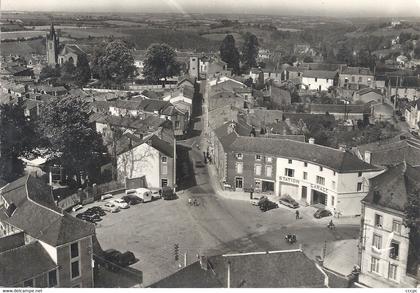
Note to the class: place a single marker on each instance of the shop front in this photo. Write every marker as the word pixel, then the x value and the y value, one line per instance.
pixel 319 195
pixel 289 186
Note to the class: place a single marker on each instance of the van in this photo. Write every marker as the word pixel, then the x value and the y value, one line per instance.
pixel 143 193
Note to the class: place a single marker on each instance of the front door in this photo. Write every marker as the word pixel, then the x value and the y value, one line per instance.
pixel 238 182
pixel 304 192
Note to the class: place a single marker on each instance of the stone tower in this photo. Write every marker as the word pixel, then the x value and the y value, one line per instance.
pixel 52 47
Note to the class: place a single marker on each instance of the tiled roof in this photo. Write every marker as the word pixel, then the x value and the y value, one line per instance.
pixel 37 214
pixel 129 141
pixel 263 270
pixel 72 48
pixel 320 74
pixel 369 90
pixel 23 263
pixel 392 188
pixel 356 71
pixel 340 108
pixel 150 122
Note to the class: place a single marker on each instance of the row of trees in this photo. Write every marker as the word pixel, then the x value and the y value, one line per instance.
pixel 63 134
pixel 248 56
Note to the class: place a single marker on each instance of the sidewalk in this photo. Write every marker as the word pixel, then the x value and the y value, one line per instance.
pixel 342 256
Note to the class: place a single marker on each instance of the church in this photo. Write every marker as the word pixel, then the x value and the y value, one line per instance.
pixel 60 54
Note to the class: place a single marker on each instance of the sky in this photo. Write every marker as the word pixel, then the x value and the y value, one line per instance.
pixel 388 8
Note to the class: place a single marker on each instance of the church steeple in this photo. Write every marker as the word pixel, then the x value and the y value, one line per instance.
pixel 52 46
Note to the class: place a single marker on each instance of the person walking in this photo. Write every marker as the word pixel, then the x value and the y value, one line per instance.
pixel 297 215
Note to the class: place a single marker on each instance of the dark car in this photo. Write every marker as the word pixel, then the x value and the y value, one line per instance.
pixel 96 210
pixel 267 205
pixel 168 193
pixel 402 118
pixel 114 259
pixel 322 213
pixel 132 199
pixel 92 218
pixel 289 202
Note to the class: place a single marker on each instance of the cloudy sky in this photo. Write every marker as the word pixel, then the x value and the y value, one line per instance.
pixel 308 7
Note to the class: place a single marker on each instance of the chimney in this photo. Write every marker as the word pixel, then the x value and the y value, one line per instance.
pixel 203 262
pixel 368 158
pixel 312 140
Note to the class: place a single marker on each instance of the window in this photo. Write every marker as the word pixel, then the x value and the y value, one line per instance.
pixel 316 79
pixel 164 182
pixel 290 161
pixel 332 200
pixel 165 169
pixel 74 250
pixel 238 182
pixel 52 279
pixel 321 168
pixel 334 173
pixel 258 157
pixel 257 170
pixel 377 241
pixel 392 272
pixel 289 172
pixel 360 79
pixel 353 79
pixel 320 180
pixel 359 186
pixel 305 164
pixel 164 159
pixel 75 270
pixel 359 174
pixel 374 265
pixel 258 184
pixel 394 249
pixel 305 175
pixel 268 170
pixel 28 283
pixel 378 220
pixel 333 184
pixel 239 167
pixel 268 159
pixel 177 125
pixel 239 156
pixel 396 226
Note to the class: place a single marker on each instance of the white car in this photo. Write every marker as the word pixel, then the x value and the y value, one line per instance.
pixel 106 196
pixel 77 207
pixel 119 202
pixel 111 207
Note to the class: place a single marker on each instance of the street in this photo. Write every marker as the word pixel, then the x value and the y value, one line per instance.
pixel 217 225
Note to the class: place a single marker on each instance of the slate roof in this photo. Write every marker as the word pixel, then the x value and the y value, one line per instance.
pixel 73 48
pixel 23 263
pixel 130 141
pixel 148 123
pixel 263 270
pixel 368 90
pixel 392 188
pixel 320 74
pixel 393 151
pixel 37 214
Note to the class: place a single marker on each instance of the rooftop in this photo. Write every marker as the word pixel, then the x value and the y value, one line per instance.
pixel 37 215
pixel 280 269
pixel 320 74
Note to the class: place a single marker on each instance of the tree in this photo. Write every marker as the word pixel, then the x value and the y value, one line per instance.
pixel 70 140
pixel 250 50
pixel 18 138
pixel 82 72
pixel 160 63
pixel 67 72
pixel 229 53
pixel 49 72
pixel 417 51
pixel 113 64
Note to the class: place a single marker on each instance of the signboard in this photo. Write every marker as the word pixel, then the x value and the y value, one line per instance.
pixel 289 180
pixel 319 188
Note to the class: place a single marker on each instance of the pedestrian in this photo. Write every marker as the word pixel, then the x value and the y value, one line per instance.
pixel 251 194
pixel 297 215
pixel 190 201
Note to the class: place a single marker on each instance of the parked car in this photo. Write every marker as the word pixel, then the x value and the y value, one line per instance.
pixel 132 199
pixel 156 194
pixel 255 201
pixel 77 207
pixel 289 202
pixel 106 196
pixel 85 216
pixel 267 205
pixel 321 213
pixel 119 202
pixel 113 256
pixel 98 210
pixel 111 207
pixel 199 164
pixel 168 193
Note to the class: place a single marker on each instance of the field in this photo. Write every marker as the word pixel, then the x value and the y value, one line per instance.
pixel 21 34
pixel 24 48
pixel 81 33
pixel 220 36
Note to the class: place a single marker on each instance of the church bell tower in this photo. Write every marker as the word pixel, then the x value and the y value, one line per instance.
pixel 52 47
